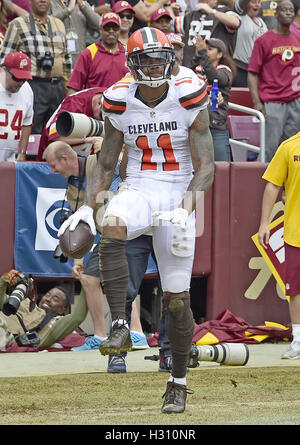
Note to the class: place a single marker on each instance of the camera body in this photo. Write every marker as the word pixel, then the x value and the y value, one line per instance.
pixel 58 253
pixel 45 62
pixel 20 291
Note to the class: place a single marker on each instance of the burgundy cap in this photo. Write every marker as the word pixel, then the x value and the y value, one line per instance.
pixel 122 6
pixel 19 64
pixel 110 17
pixel 160 13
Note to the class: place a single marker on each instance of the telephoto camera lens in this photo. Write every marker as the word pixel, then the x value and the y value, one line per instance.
pixel 11 306
pixel 78 125
pixel 234 354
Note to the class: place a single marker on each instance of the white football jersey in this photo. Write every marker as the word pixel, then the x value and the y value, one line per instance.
pixel 16 110
pixel 156 138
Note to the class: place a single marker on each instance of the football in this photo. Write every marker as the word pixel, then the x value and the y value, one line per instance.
pixel 77 243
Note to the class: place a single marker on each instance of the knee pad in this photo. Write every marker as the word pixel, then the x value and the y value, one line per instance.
pixel 177 281
pixel 178 305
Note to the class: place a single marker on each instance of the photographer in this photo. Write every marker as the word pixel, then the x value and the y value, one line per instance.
pixel 45 321
pixel 43 38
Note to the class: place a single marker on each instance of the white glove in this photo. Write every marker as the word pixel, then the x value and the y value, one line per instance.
pixel 178 217
pixel 84 213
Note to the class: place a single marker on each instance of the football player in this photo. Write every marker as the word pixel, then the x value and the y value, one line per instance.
pixel 165 127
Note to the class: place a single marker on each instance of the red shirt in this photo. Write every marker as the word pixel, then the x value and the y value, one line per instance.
pixel 80 102
pixel 276 60
pixel 97 67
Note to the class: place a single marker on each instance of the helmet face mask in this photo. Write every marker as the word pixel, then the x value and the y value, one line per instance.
pixel 150 57
pixel 145 67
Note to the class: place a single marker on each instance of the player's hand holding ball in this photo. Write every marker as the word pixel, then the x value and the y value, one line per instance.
pixel 84 213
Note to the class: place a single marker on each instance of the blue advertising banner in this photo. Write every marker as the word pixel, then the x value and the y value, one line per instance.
pixel 39 198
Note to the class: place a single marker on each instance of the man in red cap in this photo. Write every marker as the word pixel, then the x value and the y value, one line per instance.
pixel 104 62
pixel 16 98
pixel 126 14
pixel 162 20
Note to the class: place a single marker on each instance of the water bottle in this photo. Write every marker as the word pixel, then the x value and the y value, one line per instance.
pixel 214 96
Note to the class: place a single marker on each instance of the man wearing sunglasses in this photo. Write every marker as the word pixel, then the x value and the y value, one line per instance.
pixel 16 113
pixel 126 14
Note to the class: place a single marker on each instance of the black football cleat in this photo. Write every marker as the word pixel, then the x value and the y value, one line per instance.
pixel 175 398
pixel 118 341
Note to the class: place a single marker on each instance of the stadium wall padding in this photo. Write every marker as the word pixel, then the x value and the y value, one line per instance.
pixel 223 253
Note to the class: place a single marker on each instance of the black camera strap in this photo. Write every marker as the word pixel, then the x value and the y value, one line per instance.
pixel 81 177
pixel 33 31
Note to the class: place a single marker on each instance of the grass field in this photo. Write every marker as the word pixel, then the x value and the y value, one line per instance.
pixel 222 396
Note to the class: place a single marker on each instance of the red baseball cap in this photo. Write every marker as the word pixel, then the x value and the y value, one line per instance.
pixel 19 64
pixel 160 13
pixel 110 17
pixel 121 6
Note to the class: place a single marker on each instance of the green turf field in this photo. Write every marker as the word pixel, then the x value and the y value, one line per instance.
pixel 222 396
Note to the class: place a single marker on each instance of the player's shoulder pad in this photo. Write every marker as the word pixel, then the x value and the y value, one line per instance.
pixel 114 99
pixel 191 92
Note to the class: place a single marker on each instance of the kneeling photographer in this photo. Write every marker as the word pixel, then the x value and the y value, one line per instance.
pixel 34 324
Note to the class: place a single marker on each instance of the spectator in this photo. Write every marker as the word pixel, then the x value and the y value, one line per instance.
pixel 268 12
pixel 162 19
pixel 295 26
pixel 208 20
pixel 212 62
pixel 87 102
pixel 50 60
pixel 104 62
pixel 126 14
pixel 251 28
pixel 272 79
pixel 178 69
pixel 16 98
pixel 62 159
pixel 142 10
pixel 3 22
pixel 77 16
pixel 47 318
pixel 283 171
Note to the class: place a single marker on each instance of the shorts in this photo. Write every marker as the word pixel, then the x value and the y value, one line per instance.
pixel 92 266
pixel 173 247
pixel 292 269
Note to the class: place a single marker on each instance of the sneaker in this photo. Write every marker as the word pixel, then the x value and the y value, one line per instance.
pixel 165 363
pixel 175 397
pixel 118 341
pixel 139 341
pixel 293 351
pixel 91 344
pixel 116 364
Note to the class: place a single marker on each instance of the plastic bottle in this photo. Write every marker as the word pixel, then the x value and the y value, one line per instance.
pixel 214 96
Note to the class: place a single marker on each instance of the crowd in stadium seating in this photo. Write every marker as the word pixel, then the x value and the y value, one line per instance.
pixel 83 47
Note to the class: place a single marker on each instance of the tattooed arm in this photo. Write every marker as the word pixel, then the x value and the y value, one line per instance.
pixel 202 152
pixel 99 181
pixel 101 178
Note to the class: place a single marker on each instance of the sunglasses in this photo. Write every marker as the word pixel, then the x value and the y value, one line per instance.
pixel 13 77
pixel 127 16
